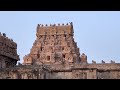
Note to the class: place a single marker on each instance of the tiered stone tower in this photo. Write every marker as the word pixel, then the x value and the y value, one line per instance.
pixel 8 52
pixel 54 55
pixel 54 45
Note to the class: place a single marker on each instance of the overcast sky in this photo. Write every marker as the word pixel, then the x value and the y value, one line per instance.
pixel 97 33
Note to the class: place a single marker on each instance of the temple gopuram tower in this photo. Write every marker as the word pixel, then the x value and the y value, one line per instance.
pixel 54 45
pixel 8 52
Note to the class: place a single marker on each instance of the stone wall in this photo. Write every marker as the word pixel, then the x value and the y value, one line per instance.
pixel 100 66
pixel 53 72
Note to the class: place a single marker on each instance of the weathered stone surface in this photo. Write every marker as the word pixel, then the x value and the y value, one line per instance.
pixel 8 52
pixel 54 55
pixel 41 72
pixel 54 45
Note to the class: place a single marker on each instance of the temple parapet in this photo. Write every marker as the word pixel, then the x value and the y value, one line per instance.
pixel 54 29
pixel 103 62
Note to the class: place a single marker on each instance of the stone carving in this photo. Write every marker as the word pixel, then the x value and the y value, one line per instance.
pixel 71 23
pixel 103 61
pixel 83 58
pixel 27 60
pixel 93 61
pixel 112 61
pixel 4 34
